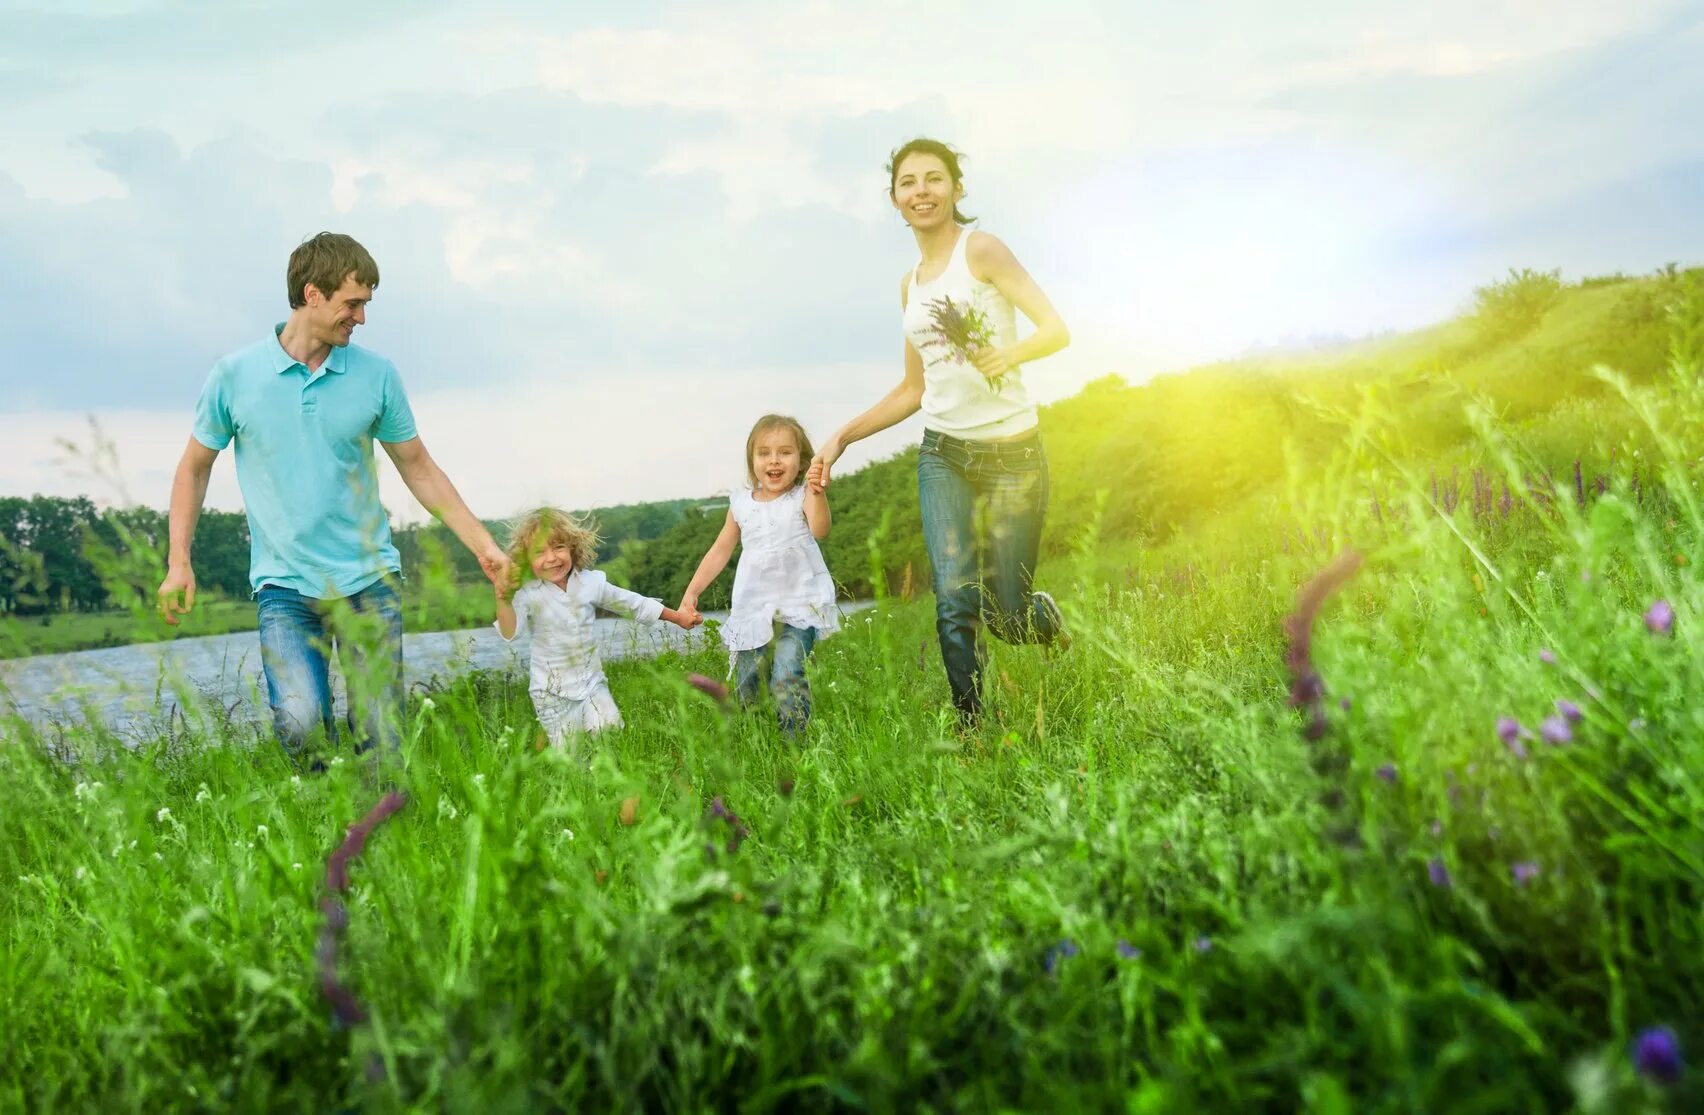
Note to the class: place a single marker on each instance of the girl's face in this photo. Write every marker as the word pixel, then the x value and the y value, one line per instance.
pixel 553 562
pixel 923 191
pixel 775 460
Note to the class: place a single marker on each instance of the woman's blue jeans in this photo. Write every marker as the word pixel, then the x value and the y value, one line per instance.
pixel 983 503
pixel 297 636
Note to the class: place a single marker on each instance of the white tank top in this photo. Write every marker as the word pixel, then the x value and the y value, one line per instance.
pixel 958 399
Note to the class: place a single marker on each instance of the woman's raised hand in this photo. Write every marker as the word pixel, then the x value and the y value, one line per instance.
pixel 818 475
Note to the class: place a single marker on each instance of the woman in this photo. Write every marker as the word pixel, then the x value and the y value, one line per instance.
pixel 981 445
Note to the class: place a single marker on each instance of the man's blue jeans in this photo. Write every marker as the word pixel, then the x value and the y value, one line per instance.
pixel 983 503
pixel 298 634
pixel 791 646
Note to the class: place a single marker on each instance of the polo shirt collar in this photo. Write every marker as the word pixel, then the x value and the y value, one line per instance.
pixel 282 361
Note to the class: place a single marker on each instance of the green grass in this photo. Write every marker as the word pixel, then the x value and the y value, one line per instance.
pixel 882 941
pixel 1139 888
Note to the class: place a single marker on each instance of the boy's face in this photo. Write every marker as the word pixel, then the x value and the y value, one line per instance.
pixel 553 562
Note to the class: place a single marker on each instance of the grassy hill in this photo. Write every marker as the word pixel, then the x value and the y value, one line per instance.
pixel 1216 443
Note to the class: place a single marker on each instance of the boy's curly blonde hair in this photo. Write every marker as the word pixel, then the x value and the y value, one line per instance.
pixel 546 526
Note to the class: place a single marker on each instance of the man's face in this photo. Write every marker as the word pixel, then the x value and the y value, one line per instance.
pixel 335 317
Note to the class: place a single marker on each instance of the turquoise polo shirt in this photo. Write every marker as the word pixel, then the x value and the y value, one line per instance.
pixel 305 461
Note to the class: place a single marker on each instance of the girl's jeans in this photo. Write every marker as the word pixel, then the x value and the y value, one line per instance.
pixel 983 503
pixel 792 645
pixel 297 635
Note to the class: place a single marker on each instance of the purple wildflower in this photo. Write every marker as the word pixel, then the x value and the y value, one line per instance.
pixel 1127 951
pixel 737 832
pixel 1656 1054
pixel 1203 944
pixel 1660 618
pixel 964 330
pixel 1439 874
pixel 1344 704
pixel 1547 656
pixel 708 685
pixel 1569 710
pixel 1437 828
pixel 1510 731
pixel 1387 772
pixel 1555 730
pixel 1523 872
pixel 1058 952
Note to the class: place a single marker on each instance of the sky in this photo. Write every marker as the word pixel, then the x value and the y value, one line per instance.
pixel 611 236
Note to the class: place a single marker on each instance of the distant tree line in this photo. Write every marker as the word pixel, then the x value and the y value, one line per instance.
pixel 60 555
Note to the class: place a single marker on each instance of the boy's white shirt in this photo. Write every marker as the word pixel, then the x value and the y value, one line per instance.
pixel 564 658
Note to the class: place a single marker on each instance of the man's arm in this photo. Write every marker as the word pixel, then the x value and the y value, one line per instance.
pixel 189 490
pixel 438 496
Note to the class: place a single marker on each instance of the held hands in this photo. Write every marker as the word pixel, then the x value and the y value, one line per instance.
pixel 688 614
pixel 177 593
pixel 818 475
pixel 497 566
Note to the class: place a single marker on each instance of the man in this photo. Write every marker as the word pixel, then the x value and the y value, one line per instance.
pixel 303 407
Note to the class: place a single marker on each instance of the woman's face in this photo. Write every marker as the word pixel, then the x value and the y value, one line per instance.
pixel 923 191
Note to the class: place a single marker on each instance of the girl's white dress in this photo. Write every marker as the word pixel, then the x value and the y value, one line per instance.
pixel 781 574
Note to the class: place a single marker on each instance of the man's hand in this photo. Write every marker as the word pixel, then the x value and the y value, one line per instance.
pixel 177 593
pixel 498 568
pixel 688 611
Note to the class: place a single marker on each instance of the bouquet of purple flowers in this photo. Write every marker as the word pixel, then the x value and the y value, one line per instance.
pixel 964 330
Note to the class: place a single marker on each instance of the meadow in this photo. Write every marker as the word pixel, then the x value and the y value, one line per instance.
pixel 1423 836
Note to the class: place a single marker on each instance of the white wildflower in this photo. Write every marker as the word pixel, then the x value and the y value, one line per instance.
pixel 159 857
pixel 567 834
pixel 165 811
pixel 426 704
pixel 446 808
pixel 80 874
pixel 479 780
pixel 261 830
pixel 203 794
pixel 295 867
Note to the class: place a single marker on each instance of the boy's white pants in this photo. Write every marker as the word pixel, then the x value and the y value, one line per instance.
pixel 560 716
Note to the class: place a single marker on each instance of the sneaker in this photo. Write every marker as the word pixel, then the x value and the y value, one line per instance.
pixel 1050 608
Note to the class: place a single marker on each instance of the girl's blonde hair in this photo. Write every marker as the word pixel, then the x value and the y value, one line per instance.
pixel 549 526
pixel 780 422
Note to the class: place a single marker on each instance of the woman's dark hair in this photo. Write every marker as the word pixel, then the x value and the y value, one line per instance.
pixel 924 146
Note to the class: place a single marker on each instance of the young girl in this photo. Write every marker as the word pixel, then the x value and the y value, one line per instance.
pixel 567 682
pixel 782 590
